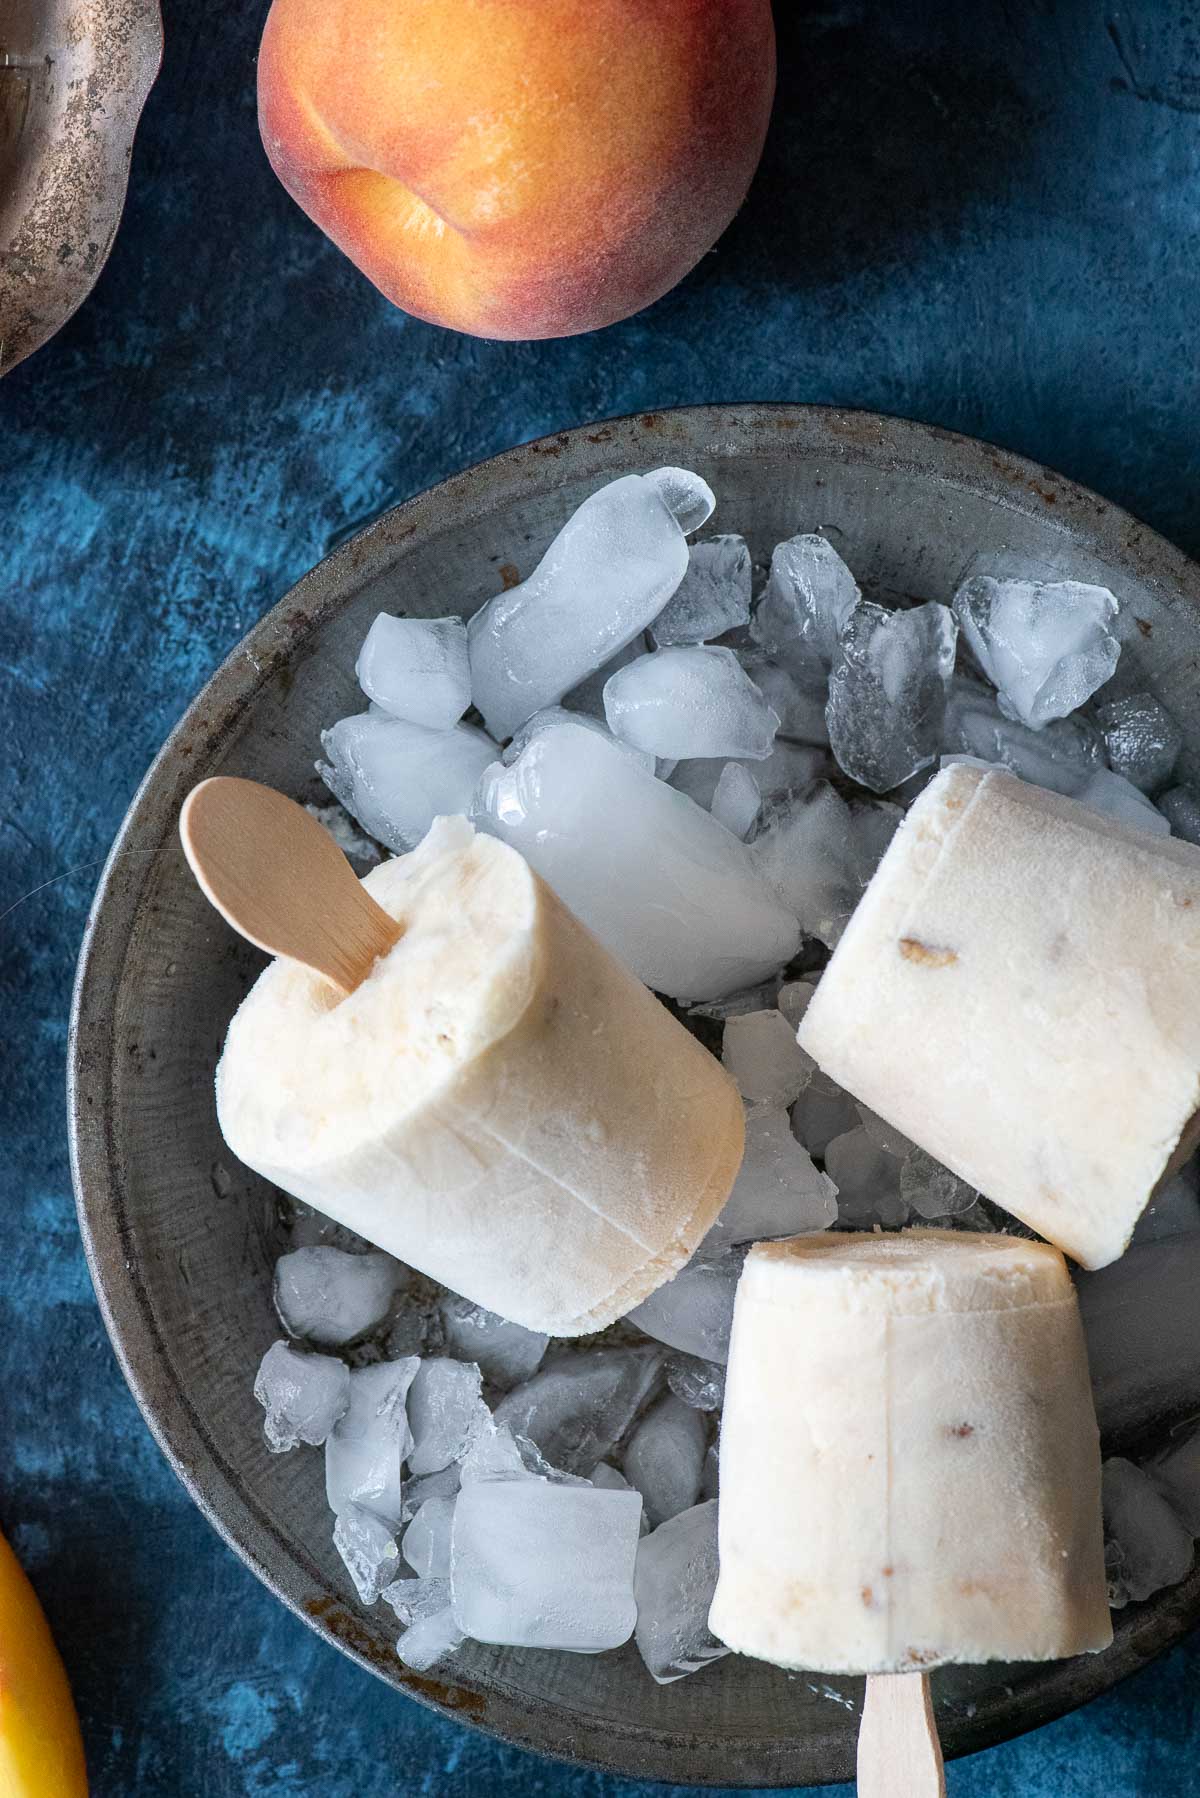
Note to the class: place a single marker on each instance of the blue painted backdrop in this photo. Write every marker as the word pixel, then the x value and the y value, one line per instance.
pixel 986 215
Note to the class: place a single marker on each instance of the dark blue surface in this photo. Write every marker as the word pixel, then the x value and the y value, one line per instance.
pixel 986 215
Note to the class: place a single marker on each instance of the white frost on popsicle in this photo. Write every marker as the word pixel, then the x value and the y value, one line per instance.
pixel 1045 645
pixel 609 571
pixel 664 886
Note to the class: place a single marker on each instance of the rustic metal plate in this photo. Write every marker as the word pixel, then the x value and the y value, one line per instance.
pixel 180 1239
pixel 74 76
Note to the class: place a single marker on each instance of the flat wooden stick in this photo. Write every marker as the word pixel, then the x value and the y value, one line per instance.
pixel 278 877
pixel 899 1755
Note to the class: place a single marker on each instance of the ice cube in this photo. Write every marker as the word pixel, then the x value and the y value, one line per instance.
pixel 1045 645
pixel 806 606
pixel 368 1549
pixel 694 1311
pixel 328 1296
pixel 353 844
pixel 930 1189
pixel 430 1633
pixel 817 856
pixel 687 497
pixel 545 1566
pixel 867 1180
pixel 884 1135
pixel 587 699
pixel 690 703
pixel 790 768
pixel 1146 1546
pixel 736 799
pixel 793 1000
pixel 887 692
pixel 1139 1317
pixel 426 1541
pixel 1111 793
pixel 556 718
pixel 363 1454
pixel 712 598
pixel 504 1352
pixel 396 778
pixel 778 1191
pixel 693 919
pixel 751 998
pixel 760 1051
pixel 800 708
pixel 1176 1473
pixel 1061 755
pixel 303 1396
pixel 1180 806
pixel 1142 739
pixel 712 1473
pixel 445 1411
pixel 674 1581
pixel 610 570
pixel 665 1458
pixel 822 1112
pixel 442 1484
pixel 417 669
pixel 580 1405
pixel 698 1383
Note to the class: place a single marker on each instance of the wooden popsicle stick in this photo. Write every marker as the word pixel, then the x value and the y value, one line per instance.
pixel 278 877
pixel 899 1754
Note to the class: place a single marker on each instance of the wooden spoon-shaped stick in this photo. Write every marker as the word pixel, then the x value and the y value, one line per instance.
pixel 279 878
pixel 899 1755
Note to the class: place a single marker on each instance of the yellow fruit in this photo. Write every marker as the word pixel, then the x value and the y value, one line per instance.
pixel 41 1751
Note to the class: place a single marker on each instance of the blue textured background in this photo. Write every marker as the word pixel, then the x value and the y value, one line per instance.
pixel 986 215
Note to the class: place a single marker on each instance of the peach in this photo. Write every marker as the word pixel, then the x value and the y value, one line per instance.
pixel 518 168
pixel 41 1754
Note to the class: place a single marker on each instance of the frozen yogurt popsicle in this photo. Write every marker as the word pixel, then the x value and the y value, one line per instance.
pixel 500 1103
pixel 1018 991
pixel 910 1464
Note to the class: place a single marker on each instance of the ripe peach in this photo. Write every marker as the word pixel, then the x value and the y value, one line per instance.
pixel 518 168
pixel 41 1754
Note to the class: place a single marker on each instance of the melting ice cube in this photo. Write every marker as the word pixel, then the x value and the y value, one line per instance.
pixel 363 1454
pixel 760 1050
pixel 504 1352
pixel 817 854
pixel 665 1458
pixel 1146 1546
pixel 368 1549
pixel 556 718
pixel 430 1632
pixel 887 692
pixel 426 1542
pixel 690 702
pixel 697 1383
pixel 931 1189
pixel 328 1296
pixel 1061 755
pixel 1181 808
pixel 778 1191
pixel 1046 645
pixel 693 919
pixel 1142 739
pixel 800 708
pixel 445 1411
pixel 417 669
pixel 823 1110
pixel 694 1311
pixel 806 606
pixel 736 799
pixel 576 1409
pixel 610 570
pixel 1111 793
pixel 303 1395
pixel 713 596
pixel 396 778
pixel 674 1581
pixel 867 1179
pixel 545 1566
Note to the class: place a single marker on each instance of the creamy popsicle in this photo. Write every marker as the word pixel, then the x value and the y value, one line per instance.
pixel 910 1464
pixel 499 1103
pixel 1018 991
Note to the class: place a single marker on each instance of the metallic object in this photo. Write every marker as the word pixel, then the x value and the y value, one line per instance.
pixel 180 1239
pixel 74 76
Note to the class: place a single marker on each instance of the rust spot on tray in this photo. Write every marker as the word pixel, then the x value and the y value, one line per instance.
pixel 1145 626
pixel 350 1630
pixel 509 576
pixel 926 955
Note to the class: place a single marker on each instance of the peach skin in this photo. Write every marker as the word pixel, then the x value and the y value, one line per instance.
pixel 41 1754
pixel 518 168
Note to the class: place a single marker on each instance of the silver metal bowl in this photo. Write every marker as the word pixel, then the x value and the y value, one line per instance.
pixel 180 1239
pixel 74 76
